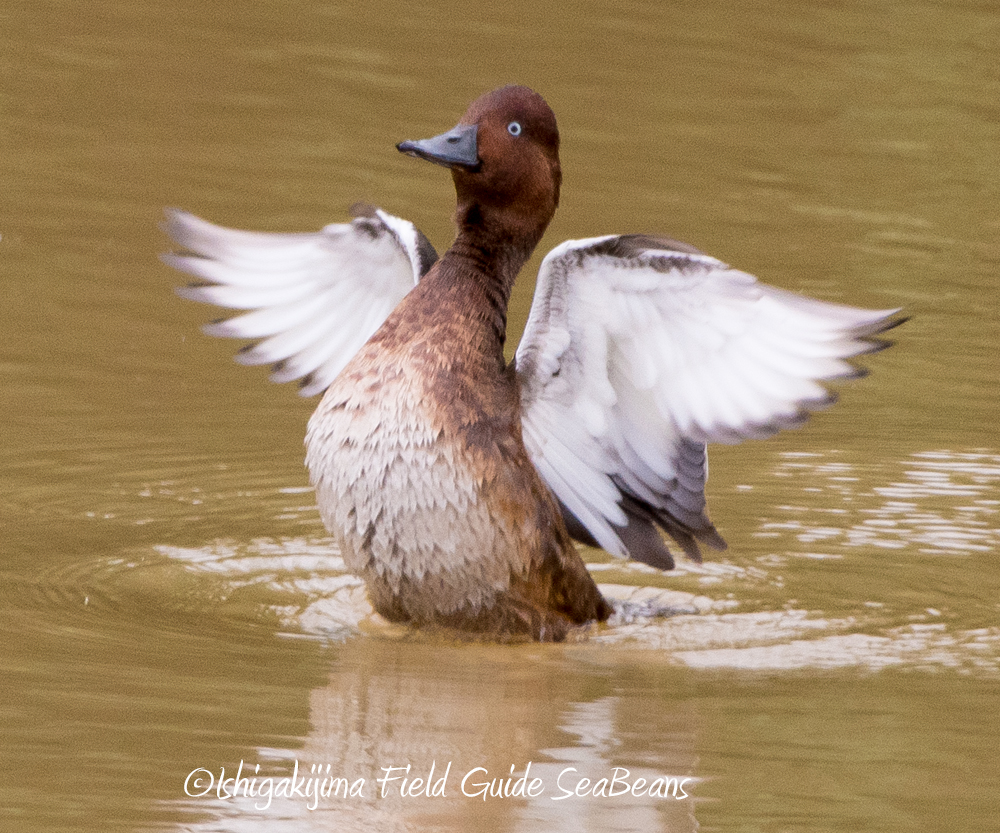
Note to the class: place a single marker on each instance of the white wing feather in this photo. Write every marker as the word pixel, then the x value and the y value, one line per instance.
pixel 638 351
pixel 316 298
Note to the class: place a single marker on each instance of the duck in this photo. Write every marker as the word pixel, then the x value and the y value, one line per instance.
pixel 456 483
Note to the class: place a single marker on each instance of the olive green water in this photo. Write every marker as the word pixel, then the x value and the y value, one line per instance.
pixel 168 600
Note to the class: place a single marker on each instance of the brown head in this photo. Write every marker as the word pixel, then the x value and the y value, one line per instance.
pixel 504 158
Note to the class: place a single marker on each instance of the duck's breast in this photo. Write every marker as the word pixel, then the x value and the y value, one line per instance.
pixel 416 475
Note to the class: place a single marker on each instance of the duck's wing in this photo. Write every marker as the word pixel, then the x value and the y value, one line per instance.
pixel 316 297
pixel 638 351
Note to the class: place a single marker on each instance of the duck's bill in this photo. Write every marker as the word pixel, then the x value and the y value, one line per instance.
pixel 454 149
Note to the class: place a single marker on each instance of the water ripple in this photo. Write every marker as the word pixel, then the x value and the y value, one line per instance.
pixel 941 503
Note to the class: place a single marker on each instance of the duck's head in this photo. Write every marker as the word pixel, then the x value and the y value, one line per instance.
pixel 504 158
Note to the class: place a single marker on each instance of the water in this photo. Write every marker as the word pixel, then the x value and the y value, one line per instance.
pixel 167 594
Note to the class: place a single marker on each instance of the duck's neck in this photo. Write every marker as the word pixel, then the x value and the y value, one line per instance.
pixel 480 269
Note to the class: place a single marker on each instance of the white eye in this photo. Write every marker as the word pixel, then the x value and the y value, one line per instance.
pixel 514 128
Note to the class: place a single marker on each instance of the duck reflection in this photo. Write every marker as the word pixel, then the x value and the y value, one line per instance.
pixel 477 737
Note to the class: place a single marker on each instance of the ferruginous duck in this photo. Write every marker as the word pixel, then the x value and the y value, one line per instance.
pixel 454 482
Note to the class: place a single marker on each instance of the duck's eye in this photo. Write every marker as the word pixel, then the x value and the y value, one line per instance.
pixel 514 128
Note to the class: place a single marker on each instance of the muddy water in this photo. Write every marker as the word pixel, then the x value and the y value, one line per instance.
pixel 168 599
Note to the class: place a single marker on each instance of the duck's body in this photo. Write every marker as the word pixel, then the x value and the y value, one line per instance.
pixel 452 481
pixel 423 479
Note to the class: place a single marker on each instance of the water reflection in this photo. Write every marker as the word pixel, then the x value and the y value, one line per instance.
pixel 381 709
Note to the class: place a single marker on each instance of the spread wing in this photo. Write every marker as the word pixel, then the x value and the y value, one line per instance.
pixel 316 298
pixel 638 351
